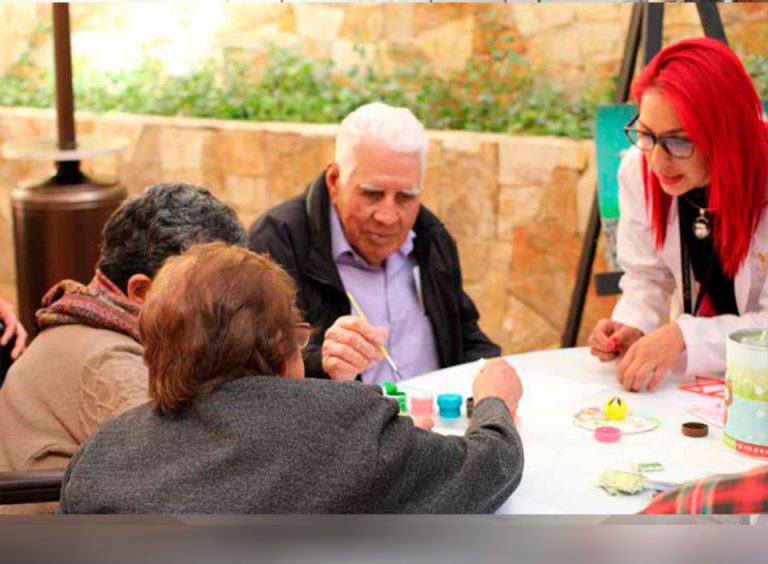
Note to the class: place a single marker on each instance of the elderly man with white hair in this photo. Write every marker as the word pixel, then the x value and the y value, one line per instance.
pixel 360 234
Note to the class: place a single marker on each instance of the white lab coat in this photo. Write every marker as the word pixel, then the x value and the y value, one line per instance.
pixel 652 278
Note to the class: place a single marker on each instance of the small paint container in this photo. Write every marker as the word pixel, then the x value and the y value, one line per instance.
pixel 389 388
pixel 469 406
pixel 695 429
pixel 449 405
pixel 608 434
pixel 421 406
pixel 402 400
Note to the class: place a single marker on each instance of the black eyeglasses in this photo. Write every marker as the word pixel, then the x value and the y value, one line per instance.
pixel 677 147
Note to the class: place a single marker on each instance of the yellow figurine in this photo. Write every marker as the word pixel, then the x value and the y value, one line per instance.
pixel 616 409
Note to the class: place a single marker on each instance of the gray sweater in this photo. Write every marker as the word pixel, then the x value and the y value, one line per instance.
pixel 263 444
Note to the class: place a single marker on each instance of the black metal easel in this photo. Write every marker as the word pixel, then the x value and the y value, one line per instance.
pixel 646 23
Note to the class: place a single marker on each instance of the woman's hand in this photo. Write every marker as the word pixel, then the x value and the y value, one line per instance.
pixel 651 357
pixel 497 379
pixel 424 422
pixel 611 340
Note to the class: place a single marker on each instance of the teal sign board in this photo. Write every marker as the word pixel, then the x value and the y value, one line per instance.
pixel 610 145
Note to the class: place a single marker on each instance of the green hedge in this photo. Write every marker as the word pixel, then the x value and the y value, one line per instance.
pixel 496 92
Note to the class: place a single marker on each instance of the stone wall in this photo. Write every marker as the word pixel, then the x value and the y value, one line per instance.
pixel 573 43
pixel 516 205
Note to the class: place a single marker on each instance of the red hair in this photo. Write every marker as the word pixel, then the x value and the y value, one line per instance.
pixel 722 114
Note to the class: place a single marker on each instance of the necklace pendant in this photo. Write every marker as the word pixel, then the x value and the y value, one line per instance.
pixel 701 228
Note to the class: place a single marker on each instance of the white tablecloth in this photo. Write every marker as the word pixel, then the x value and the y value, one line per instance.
pixel 562 461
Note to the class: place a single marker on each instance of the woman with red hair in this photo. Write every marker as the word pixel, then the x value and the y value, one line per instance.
pixel 694 222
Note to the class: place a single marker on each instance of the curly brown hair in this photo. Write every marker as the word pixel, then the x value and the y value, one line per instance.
pixel 215 313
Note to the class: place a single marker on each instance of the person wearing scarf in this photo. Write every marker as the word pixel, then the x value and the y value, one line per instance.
pixel 100 304
pixel 86 366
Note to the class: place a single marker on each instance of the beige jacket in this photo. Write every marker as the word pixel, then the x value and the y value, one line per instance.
pixel 69 380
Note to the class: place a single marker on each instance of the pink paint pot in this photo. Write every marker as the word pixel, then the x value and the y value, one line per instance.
pixel 608 434
pixel 422 406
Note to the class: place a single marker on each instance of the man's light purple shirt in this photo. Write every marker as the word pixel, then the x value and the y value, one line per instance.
pixel 389 297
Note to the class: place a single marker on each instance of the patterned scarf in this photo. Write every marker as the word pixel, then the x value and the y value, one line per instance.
pixel 100 304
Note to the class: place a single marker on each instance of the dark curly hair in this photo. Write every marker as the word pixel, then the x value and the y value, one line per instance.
pixel 164 221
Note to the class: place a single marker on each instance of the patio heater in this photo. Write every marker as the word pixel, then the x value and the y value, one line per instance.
pixel 57 222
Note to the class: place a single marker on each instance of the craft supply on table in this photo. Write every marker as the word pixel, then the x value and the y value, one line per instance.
pixel 706 386
pixel 643 467
pixel 695 429
pixel 607 434
pixel 388 387
pixel 746 398
pixel 616 409
pixel 629 483
pixel 449 405
pixel 421 406
pixel 617 481
pixel 592 417
pixel 469 406
pixel 713 415
pixel 390 390
pixel 402 400
pixel 758 338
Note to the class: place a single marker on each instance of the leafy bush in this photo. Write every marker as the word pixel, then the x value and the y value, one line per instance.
pixel 495 91
pixel 757 67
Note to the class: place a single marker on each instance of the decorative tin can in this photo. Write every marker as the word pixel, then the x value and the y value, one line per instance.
pixel 746 397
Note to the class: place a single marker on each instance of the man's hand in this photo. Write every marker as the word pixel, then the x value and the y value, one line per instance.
pixel 351 346
pixel 611 340
pixel 651 357
pixel 498 379
pixel 12 327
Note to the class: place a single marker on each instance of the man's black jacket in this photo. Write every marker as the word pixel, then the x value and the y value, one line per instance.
pixel 297 234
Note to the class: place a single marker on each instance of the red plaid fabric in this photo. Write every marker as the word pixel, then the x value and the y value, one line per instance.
pixel 726 494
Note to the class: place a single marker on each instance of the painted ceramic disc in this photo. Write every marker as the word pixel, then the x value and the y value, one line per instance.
pixel 593 417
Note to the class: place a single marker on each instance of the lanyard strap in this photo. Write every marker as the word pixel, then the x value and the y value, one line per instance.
pixel 685 259
pixel 685 265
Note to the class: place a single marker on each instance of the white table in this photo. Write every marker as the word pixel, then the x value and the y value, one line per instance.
pixel 562 461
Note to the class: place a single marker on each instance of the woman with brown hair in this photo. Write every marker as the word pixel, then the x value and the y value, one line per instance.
pixel 232 426
pixel 86 364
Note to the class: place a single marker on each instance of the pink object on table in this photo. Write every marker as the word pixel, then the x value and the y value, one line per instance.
pixel 607 434
pixel 422 406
